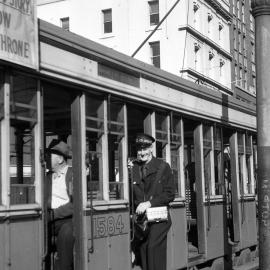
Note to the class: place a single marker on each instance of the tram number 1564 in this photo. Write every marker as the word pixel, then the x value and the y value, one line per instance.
pixel 108 225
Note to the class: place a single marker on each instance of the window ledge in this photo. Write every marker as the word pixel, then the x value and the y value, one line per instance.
pixel 105 36
pixel 106 205
pixel 214 199
pixel 178 202
pixel 248 197
pixel 152 28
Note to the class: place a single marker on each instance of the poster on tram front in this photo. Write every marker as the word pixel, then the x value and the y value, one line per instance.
pixel 18 32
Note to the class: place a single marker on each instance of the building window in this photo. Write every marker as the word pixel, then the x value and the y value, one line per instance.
pixel 240 77
pixel 154 12
pixel 251 22
pixel 235 79
pixel 253 80
pixel 195 14
pixel 220 27
pixel 197 58
pixel 209 19
pixel 211 55
pixel 244 46
pixel 252 52
pixel 155 52
pixel 221 64
pixel 243 12
pixel 244 82
pixel 238 9
pixel 107 20
pixel 65 23
pixel 239 42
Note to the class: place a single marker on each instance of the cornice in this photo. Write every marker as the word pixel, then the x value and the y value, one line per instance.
pixel 220 9
pixel 205 39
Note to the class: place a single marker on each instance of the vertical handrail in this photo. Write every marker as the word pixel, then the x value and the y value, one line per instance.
pixel 130 166
pixel 91 249
pixel 45 213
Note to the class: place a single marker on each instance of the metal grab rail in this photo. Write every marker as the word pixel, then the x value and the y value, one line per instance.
pixel 44 212
pixel 91 249
pixel 130 166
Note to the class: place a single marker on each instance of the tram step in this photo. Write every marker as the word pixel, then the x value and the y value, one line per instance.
pixel 253 265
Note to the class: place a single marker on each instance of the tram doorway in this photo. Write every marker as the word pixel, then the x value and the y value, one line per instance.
pixel 193 164
pixel 57 102
pixel 190 183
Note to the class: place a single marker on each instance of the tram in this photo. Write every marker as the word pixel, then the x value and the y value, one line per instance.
pixel 97 100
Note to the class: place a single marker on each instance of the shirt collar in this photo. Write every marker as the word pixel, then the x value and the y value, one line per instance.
pixel 61 172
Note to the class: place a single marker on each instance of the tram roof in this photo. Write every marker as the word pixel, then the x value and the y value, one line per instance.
pixel 56 36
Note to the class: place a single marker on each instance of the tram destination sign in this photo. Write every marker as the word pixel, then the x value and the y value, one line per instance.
pixel 18 32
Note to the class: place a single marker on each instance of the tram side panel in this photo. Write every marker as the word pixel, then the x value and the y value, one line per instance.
pixel 248 224
pixel 177 240
pixel 108 243
pixel 2 244
pixel 24 240
pixel 216 231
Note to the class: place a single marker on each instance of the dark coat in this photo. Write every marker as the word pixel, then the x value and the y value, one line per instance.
pixel 143 188
pixel 66 210
pixel 156 186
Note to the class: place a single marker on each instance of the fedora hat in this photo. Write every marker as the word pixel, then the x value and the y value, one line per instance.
pixel 60 148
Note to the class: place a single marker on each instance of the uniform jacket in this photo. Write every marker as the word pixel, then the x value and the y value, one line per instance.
pixel 163 192
pixel 66 210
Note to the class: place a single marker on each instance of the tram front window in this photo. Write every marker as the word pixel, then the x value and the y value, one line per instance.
pixel 95 141
pixel 161 135
pixel 116 141
pixel 1 117
pixel 249 164
pixel 207 150
pixel 241 162
pixel 218 161
pixel 23 118
pixel 176 153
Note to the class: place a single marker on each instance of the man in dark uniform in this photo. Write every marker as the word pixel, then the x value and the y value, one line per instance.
pixel 58 194
pixel 151 192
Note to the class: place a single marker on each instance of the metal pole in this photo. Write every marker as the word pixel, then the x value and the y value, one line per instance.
pixel 261 13
pixel 167 14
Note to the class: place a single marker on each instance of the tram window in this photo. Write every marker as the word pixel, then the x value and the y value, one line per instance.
pixel 1 98
pixel 23 118
pixel 136 118
pixel 189 165
pixel 116 147
pixel 1 117
pixel 255 166
pixel 218 161
pixel 94 147
pixel 176 152
pixel 249 164
pixel 241 161
pixel 207 151
pixel 161 135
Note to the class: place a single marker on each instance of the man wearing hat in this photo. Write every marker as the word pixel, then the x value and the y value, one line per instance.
pixel 152 187
pixel 59 199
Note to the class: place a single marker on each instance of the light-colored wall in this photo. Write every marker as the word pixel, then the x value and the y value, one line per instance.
pixel 131 26
pixel 52 11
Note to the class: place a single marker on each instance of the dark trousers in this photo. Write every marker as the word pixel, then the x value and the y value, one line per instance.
pixel 63 230
pixel 153 250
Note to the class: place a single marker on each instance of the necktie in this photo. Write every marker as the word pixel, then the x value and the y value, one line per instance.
pixel 143 171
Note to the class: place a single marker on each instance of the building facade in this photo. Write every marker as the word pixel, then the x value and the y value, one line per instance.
pixel 243 51
pixel 193 42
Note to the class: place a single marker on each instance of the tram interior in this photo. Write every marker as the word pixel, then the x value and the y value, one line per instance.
pixel 23 118
pixel 190 183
